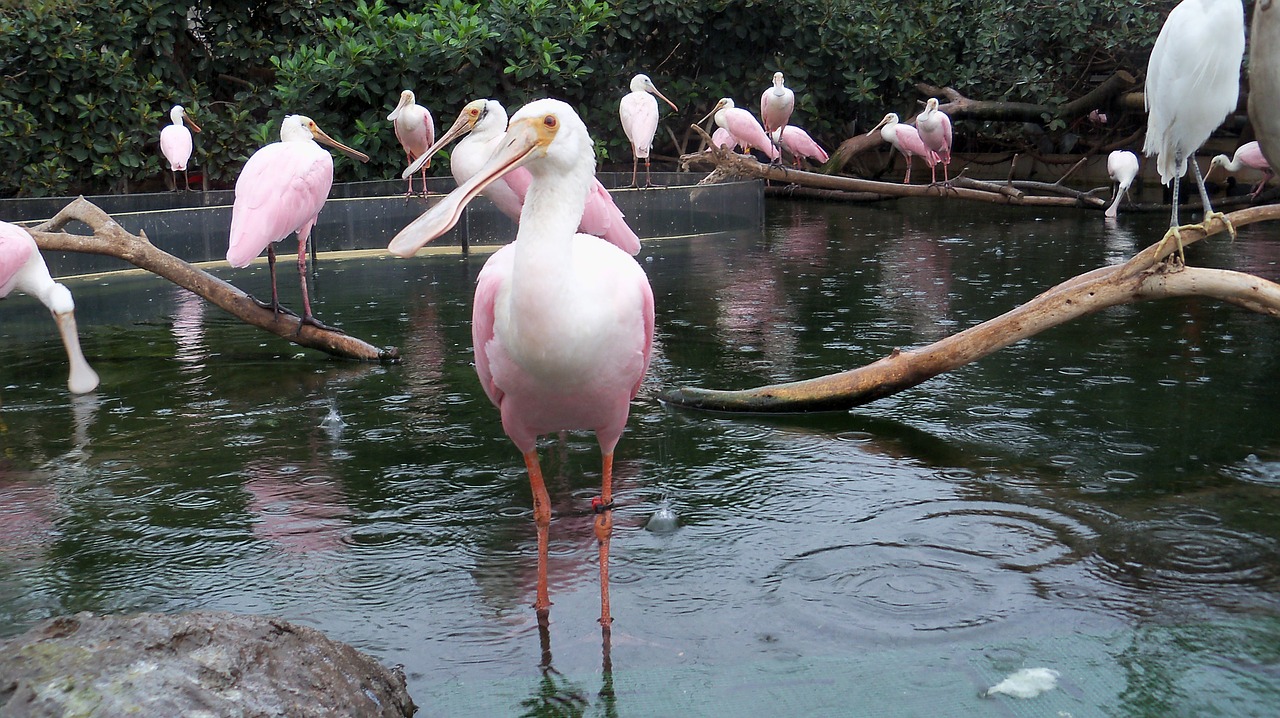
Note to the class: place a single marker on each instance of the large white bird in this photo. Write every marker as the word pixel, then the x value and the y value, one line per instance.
pixel 482 124
pixel 23 269
pixel 1193 83
pixel 562 325
pixel 776 104
pixel 1122 168
pixel 934 127
pixel 415 130
pixel 176 144
pixel 638 111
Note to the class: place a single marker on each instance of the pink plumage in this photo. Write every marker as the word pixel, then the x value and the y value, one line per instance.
pixel 743 126
pixel 415 130
pixel 934 127
pixel 800 144
pixel 1249 155
pixel 723 138
pixel 906 140
pixel 776 104
pixel 16 249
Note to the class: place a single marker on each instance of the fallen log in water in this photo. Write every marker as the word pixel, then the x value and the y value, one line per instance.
pixel 110 239
pixel 1146 276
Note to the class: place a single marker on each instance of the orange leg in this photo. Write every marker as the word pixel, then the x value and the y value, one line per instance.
pixel 604 529
pixel 542 519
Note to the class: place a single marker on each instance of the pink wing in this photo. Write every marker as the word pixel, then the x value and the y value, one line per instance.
pixel 16 248
pixel 175 145
pixel 1250 153
pixel 494 275
pixel 799 143
pixel 280 191
pixel 415 130
pixel 639 114
pixel 648 336
pixel 723 138
pixel 776 110
pixel 940 140
pixel 748 131
pixel 602 218
pixel 909 143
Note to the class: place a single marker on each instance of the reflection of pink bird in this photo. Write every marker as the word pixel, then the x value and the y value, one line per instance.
pixel 906 140
pixel 562 325
pixel 745 130
pixel 934 127
pixel 776 104
pixel 280 191
pixel 416 132
pixel 22 268
pixel 1122 168
pixel 175 143
pixel 639 113
pixel 484 123
pixel 1247 155
pixel 799 144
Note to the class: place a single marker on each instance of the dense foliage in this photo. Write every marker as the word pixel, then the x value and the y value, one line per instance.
pixel 88 83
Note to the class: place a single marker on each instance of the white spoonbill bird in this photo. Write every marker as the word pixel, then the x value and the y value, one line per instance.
pixel 1122 168
pixel 562 325
pixel 416 131
pixel 639 113
pixel 743 126
pixel 175 143
pixel 799 144
pixel 481 124
pixel 22 268
pixel 776 104
pixel 1193 83
pixel 934 127
pixel 905 139
pixel 1249 155
pixel 280 191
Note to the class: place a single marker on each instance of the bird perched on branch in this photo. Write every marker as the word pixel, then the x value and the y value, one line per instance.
pixel 934 127
pixel 743 126
pixel 776 104
pixel 905 139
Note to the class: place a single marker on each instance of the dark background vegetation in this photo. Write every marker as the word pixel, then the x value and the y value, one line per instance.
pixel 87 84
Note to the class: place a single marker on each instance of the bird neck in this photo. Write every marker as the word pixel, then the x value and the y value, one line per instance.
pixel 553 209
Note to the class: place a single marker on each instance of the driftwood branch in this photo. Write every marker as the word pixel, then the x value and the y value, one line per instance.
pixel 111 239
pixel 729 165
pixel 1146 276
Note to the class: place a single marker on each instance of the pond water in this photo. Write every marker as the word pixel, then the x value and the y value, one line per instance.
pixel 1102 500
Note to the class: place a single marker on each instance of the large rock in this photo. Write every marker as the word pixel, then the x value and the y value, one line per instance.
pixel 194 665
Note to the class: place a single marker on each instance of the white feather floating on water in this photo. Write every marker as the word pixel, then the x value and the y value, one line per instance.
pixel 1026 683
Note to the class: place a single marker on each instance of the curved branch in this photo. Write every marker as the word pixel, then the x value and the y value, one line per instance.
pixel 1143 277
pixel 111 239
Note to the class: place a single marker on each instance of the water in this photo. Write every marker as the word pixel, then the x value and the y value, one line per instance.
pixel 1100 500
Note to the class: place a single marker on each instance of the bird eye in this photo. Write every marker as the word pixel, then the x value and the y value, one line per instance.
pixel 549 121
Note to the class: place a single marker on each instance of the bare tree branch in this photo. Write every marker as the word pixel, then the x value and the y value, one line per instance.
pixel 1145 276
pixel 111 239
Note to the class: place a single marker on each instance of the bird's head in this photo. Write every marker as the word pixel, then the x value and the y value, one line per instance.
pixel 642 82
pixel 889 119
pixel 473 113
pixel 777 79
pixel 299 128
pixel 545 135
pixel 931 105
pixel 406 100
pixel 179 115
pixel 724 104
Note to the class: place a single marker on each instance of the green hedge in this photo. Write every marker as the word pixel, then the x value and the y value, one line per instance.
pixel 87 85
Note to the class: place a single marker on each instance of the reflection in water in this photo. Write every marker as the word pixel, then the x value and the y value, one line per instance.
pixel 917 281
pixel 557 695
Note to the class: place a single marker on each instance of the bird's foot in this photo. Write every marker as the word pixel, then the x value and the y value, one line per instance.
pixel 1210 216
pixel 311 320
pixel 1177 260
pixel 274 307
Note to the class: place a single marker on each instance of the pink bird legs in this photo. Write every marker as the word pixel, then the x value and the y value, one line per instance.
pixel 906 140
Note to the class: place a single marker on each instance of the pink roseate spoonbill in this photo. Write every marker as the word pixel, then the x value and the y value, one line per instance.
pixel 280 191
pixel 416 131
pixel 482 124
pixel 562 325
pixel 723 138
pixel 1249 155
pixel 175 143
pixel 1122 168
pixel 776 104
pixel 22 268
pixel 639 113
pixel 743 126
pixel 799 144
pixel 1193 83
pixel 934 127
pixel 906 140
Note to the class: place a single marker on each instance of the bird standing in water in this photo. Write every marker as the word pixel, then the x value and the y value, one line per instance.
pixel 1122 168
pixel 562 325
pixel 280 191
pixel 638 111
pixel 1193 83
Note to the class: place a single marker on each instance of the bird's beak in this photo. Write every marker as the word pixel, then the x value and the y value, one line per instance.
pixel 83 379
pixel 654 90
pixel 322 138
pixel 187 119
pixel 525 139
pixel 461 126
pixel 712 113
pixel 404 102
pixel 882 123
